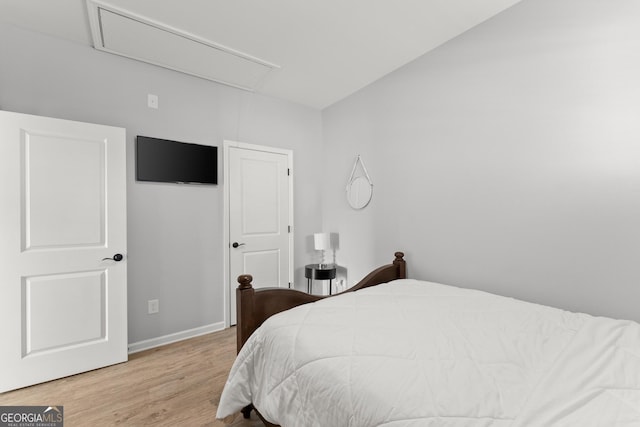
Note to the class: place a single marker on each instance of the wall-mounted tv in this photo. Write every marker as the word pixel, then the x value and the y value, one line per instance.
pixel 162 160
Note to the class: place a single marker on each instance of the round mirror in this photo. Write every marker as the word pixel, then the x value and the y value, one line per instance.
pixel 359 192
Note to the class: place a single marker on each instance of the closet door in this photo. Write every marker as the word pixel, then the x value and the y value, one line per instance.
pixel 260 217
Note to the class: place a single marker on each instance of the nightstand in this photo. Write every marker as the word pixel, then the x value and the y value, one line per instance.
pixel 319 272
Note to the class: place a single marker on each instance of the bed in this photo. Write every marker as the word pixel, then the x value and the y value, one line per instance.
pixel 402 352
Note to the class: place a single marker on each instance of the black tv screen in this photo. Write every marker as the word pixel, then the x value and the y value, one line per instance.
pixel 161 160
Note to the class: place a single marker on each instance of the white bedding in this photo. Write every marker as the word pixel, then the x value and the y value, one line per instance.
pixel 412 353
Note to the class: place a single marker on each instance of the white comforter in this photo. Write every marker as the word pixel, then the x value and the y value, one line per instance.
pixel 412 353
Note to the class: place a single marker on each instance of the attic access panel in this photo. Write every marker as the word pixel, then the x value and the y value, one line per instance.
pixel 126 34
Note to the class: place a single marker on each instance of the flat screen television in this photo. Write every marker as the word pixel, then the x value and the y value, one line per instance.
pixel 162 160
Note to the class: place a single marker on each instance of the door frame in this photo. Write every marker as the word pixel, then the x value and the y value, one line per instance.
pixel 226 242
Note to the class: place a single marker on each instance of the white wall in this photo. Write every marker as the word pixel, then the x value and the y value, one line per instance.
pixel 174 231
pixel 507 160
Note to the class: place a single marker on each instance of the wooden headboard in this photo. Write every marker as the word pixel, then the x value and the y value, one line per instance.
pixel 254 306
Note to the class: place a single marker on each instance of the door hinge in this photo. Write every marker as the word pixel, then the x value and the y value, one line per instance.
pixel 289 228
pixel 288 172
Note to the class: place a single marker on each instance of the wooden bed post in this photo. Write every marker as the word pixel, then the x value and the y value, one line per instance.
pixel 245 322
pixel 401 265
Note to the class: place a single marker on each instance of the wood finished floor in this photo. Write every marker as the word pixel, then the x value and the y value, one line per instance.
pixel 175 385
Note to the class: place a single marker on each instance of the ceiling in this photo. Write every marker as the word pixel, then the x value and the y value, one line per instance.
pixel 318 51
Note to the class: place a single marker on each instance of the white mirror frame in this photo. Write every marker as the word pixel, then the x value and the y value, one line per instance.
pixel 359 192
pixel 359 188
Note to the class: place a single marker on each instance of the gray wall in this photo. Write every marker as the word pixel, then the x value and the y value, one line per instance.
pixel 174 231
pixel 507 160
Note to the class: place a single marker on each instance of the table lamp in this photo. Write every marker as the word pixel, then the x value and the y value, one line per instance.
pixel 321 243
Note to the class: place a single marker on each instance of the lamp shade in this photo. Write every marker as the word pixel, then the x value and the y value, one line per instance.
pixel 321 241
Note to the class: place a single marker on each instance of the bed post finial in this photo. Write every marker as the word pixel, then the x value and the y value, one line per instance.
pixel 245 281
pixel 401 264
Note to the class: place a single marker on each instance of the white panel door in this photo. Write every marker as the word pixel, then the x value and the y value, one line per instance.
pixel 63 269
pixel 259 218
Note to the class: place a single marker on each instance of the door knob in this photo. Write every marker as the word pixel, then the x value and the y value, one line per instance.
pixel 116 258
pixel 236 244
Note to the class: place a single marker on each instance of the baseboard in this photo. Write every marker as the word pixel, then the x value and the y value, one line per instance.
pixel 178 336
